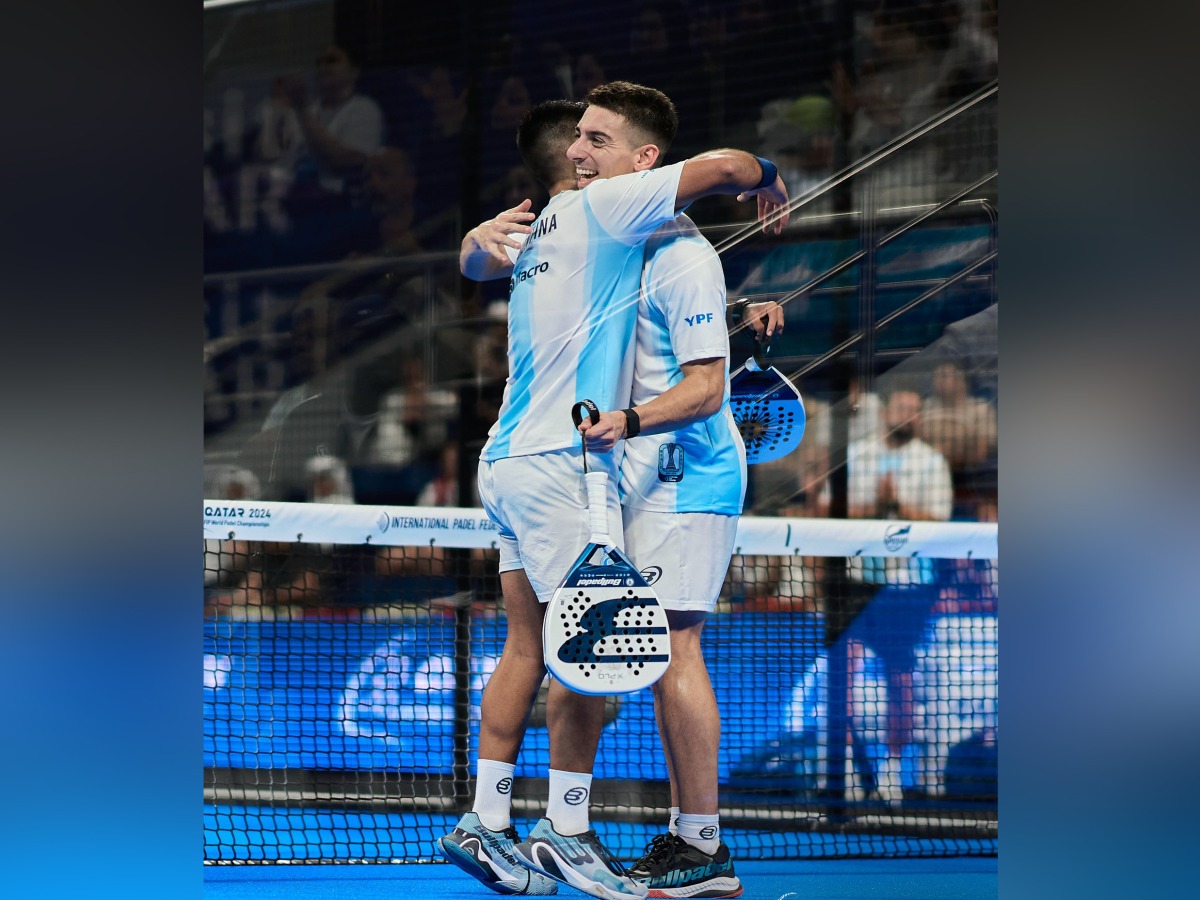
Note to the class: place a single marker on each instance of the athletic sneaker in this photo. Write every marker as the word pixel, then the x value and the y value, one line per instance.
pixel 578 860
pixel 674 868
pixel 488 856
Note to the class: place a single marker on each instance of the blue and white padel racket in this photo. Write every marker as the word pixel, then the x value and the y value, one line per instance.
pixel 605 631
pixel 767 408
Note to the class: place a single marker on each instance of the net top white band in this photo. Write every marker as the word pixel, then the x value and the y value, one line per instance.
pixel 458 527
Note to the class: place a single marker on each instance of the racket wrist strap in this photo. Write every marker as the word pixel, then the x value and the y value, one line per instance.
pixel 633 423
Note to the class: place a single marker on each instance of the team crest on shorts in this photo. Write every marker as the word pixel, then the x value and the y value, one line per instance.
pixel 670 462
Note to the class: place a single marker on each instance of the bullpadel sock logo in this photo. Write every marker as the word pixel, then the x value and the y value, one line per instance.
pixel 576 795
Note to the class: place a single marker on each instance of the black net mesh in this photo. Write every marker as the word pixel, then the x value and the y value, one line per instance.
pixel 342 683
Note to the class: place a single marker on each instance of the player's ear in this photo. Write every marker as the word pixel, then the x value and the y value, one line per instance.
pixel 646 157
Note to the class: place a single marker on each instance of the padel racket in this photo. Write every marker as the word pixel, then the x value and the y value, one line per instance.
pixel 604 631
pixel 767 408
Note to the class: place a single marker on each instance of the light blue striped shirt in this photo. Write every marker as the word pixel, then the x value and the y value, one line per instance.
pixel 681 318
pixel 573 306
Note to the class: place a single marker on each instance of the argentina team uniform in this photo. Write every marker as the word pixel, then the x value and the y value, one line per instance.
pixel 681 318
pixel 573 306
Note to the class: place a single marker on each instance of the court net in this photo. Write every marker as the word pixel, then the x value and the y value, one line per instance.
pixel 346 649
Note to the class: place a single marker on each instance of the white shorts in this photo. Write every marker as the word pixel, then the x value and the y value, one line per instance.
pixel 684 556
pixel 539 504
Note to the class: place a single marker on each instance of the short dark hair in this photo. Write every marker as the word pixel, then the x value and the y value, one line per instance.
pixel 648 110
pixel 543 136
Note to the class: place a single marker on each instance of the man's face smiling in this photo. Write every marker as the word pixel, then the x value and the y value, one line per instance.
pixel 603 147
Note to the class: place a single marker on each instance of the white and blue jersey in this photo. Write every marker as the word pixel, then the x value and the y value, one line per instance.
pixel 681 318
pixel 573 307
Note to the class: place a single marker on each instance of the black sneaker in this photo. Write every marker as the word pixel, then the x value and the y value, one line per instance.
pixel 674 868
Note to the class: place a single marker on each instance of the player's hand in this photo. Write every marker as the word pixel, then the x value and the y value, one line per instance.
pixel 603 436
pixel 766 318
pixel 494 235
pixel 772 203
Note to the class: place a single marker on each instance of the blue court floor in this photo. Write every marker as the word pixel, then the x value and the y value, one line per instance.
pixel 962 878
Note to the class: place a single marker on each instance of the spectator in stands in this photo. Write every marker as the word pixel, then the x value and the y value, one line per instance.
pixel 759 62
pixel 504 107
pixel 442 489
pixel 661 56
pixel 799 135
pixel 865 411
pixel 961 427
pixel 414 420
pixel 588 72
pixel 226 562
pixel 391 189
pixel 329 480
pixel 897 476
pixel 894 87
pixel 441 127
pixel 341 128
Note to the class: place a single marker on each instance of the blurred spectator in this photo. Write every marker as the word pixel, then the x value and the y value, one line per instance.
pixel 588 72
pixel 235 483
pixel 865 411
pixel 226 562
pixel 329 480
pixel 414 419
pixel 442 489
pixel 503 110
pixel 660 55
pixel 440 129
pixel 798 136
pixel 961 427
pixel 759 62
pixel 391 189
pixel 366 416
pixel 341 128
pixel 520 185
pixel 796 485
pixel 897 476
pixel 973 343
pixel 894 88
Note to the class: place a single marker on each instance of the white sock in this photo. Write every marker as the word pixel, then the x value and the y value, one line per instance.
pixel 673 824
pixel 702 832
pixel 570 793
pixel 493 793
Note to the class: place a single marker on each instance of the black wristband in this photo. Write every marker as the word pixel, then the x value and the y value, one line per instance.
pixel 633 424
pixel 737 310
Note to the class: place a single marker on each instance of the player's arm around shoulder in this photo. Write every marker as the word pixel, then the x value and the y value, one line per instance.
pixel 490 248
pixel 730 171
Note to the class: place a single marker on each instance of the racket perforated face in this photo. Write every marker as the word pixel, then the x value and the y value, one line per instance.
pixel 769 413
pixel 604 631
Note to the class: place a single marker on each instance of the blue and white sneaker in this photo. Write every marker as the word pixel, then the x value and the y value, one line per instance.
pixel 488 856
pixel 578 860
